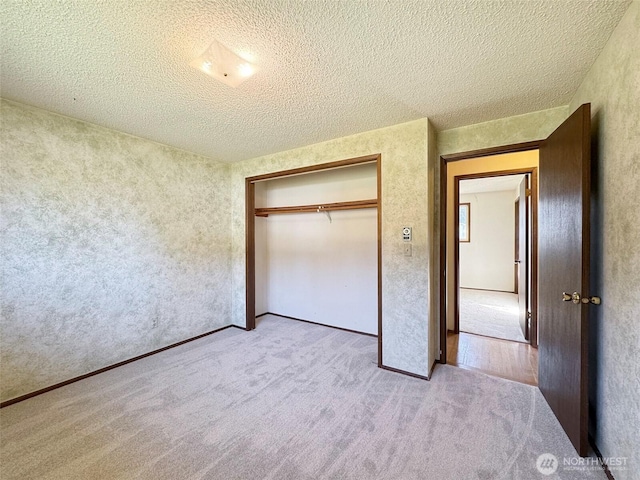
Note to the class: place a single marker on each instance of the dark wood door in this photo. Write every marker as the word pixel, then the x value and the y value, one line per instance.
pixel 563 227
pixel 522 257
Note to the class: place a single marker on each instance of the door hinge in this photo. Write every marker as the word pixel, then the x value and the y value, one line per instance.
pixel 527 192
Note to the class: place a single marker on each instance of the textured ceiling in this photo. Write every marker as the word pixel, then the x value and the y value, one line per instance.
pixel 327 68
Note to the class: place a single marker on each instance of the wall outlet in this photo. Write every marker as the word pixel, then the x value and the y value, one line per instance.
pixel 155 322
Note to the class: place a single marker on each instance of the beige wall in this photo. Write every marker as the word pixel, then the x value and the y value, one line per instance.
pixel 433 191
pixel 262 254
pixel 103 236
pixel 486 261
pixel 504 131
pixel 612 86
pixel 493 163
pixel 405 201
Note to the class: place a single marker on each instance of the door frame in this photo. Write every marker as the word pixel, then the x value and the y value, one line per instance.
pixel 533 171
pixel 516 280
pixel 250 221
pixel 474 154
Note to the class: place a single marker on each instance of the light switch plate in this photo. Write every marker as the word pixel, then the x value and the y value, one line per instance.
pixel 406 234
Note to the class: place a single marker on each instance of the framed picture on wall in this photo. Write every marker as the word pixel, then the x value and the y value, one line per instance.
pixel 465 222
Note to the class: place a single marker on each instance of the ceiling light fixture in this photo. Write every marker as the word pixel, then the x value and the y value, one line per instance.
pixel 222 64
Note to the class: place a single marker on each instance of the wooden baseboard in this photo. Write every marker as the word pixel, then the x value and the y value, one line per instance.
pixel 487 290
pixel 493 338
pixel 403 372
pixel 604 466
pixel 317 323
pixel 35 393
pixel 431 369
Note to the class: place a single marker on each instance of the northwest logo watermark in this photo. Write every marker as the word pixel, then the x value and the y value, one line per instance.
pixel 548 463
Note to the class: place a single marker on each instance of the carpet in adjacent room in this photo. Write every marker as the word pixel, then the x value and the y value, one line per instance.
pixel 489 313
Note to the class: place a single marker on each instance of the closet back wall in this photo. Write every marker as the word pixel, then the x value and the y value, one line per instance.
pixel 311 268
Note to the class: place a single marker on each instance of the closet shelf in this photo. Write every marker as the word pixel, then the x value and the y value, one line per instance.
pixel 325 207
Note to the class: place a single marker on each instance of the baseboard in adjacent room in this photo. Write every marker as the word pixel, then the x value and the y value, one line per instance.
pixel 488 290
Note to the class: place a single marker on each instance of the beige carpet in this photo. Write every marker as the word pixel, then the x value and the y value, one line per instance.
pixel 289 400
pixel 492 314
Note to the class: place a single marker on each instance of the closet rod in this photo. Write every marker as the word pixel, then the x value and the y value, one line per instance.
pixel 325 207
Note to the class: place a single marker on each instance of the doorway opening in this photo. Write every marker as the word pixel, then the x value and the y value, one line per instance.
pixel 489 275
pixel 560 249
pixel 494 264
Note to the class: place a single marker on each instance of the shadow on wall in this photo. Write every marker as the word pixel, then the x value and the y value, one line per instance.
pixel 595 273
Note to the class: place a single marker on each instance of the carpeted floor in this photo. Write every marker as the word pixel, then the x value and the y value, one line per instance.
pixel 492 314
pixel 289 400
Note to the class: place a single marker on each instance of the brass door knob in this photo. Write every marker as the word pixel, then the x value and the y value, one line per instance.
pixel 576 298
pixel 594 300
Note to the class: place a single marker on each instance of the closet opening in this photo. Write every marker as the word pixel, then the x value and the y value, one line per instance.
pixel 313 245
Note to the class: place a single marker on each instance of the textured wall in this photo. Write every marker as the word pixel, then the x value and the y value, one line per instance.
pixel 613 89
pixel 405 286
pixel 504 131
pixel 103 234
pixel 433 191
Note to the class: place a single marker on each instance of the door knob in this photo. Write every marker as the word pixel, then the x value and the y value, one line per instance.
pixel 594 300
pixel 575 298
